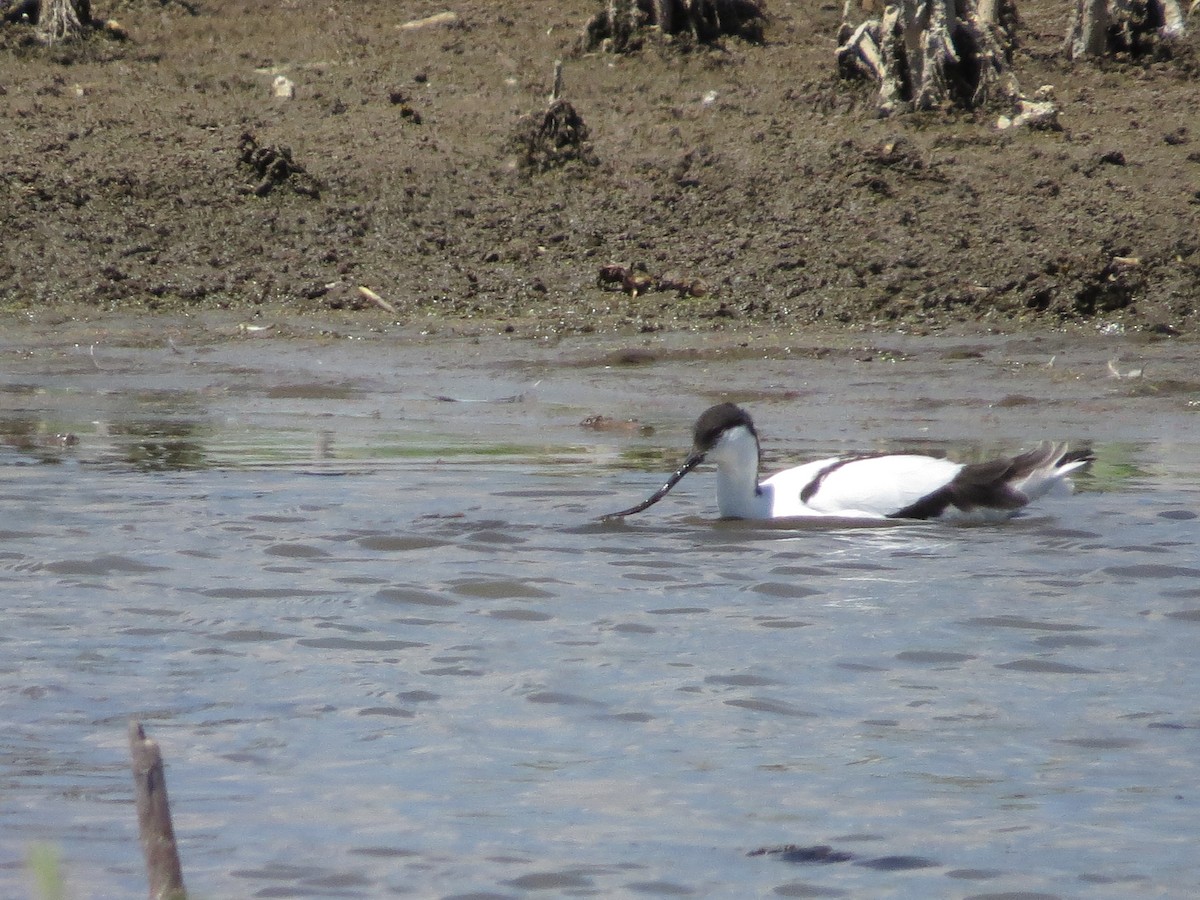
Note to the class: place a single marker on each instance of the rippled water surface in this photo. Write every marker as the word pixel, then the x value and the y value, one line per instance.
pixel 357 591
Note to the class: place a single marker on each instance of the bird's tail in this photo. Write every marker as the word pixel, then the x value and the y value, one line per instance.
pixel 1047 469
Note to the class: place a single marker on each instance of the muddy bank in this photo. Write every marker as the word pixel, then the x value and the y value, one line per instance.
pixel 738 188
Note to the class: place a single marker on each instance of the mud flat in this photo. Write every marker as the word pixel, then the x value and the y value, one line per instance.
pixel 741 187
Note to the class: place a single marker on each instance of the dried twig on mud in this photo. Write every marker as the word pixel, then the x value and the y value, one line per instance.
pixel 621 25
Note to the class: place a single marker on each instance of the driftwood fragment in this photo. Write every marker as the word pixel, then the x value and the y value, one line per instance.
pixel 1038 111
pixel 1102 27
pixel 442 18
pixel 926 54
pixel 63 20
pixel 1089 29
pixel 154 817
pixel 622 25
pixel 369 294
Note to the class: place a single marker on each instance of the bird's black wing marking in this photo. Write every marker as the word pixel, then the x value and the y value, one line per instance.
pixel 985 485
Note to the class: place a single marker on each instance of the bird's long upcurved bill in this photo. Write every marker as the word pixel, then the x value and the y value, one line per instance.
pixel 690 463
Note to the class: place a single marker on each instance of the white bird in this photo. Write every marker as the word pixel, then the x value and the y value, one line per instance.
pixel 866 486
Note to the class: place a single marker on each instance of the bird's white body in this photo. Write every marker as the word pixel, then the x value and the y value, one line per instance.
pixel 864 487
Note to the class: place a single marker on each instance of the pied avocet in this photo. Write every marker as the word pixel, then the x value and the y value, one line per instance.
pixel 866 486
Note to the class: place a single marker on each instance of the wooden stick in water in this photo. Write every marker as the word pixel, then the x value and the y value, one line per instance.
pixel 154 817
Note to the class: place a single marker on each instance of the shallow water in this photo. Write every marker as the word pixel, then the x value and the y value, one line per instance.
pixel 388 650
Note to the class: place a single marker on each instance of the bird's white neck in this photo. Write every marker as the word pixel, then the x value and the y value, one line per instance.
pixel 736 458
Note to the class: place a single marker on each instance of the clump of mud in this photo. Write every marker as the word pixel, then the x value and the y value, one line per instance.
pixel 553 138
pixel 273 166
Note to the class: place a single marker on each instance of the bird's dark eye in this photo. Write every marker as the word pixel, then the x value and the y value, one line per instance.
pixel 708 437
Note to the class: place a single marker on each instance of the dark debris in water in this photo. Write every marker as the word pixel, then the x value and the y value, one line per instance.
pixel 1181 515
pixel 823 854
pixel 446 398
pixel 819 854
pixel 899 863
